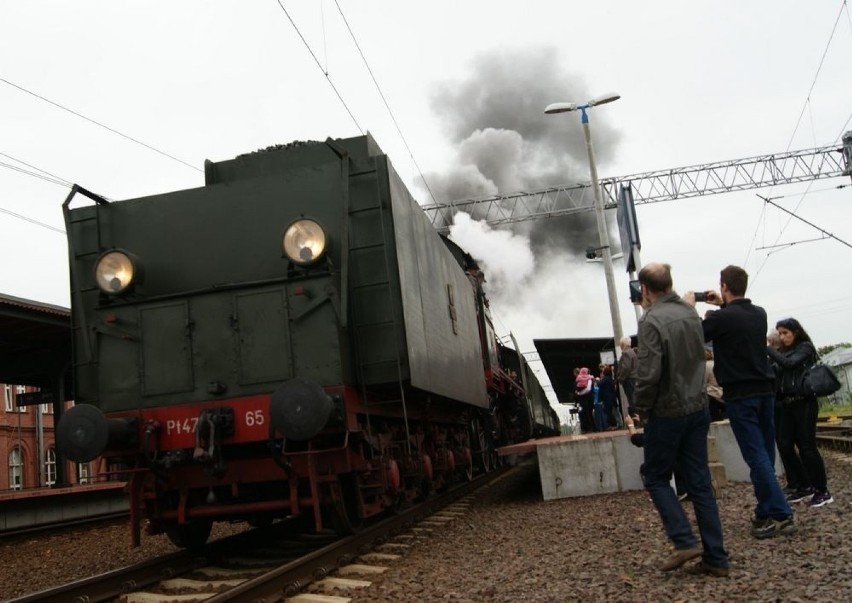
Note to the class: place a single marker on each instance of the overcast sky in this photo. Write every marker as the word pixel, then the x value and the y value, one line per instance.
pixel 467 83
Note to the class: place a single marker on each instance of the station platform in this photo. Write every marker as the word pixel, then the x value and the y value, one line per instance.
pixel 606 462
pixel 22 509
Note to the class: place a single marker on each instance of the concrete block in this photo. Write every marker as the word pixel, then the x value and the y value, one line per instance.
pixel 718 475
pixel 598 464
pixel 728 452
pixel 581 467
pixel 712 453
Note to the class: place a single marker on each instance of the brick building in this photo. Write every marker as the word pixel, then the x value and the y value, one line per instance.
pixel 35 350
pixel 28 444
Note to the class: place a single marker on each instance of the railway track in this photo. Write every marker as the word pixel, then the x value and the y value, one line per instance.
pixel 54 527
pixel 268 564
pixel 835 434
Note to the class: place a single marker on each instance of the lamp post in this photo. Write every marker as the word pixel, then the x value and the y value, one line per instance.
pixel 603 237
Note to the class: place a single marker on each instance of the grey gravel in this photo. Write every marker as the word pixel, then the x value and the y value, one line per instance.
pixel 513 546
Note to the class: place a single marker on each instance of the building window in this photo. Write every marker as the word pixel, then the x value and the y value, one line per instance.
pixel 50 467
pixel 82 473
pixel 7 394
pixel 16 470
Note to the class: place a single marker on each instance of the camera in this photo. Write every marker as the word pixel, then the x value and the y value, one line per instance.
pixel 635 292
pixel 701 296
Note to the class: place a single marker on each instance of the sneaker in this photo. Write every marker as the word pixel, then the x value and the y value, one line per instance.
pixel 681 556
pixel 820 499
pixel 768 527
pixel 799 495
pixel 702 567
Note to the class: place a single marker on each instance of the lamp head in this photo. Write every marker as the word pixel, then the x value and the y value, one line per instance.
pixel 606 98
pixel 560 108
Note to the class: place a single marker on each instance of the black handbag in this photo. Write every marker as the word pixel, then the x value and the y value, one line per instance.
pixel 820 380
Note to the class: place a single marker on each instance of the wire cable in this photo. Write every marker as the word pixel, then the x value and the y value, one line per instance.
pixel 53 177
pixel 16 168
pixel 99 124
pixel 325 73
pixel 790 143
pixel 816 75
pixel 31 221
pixel 385 101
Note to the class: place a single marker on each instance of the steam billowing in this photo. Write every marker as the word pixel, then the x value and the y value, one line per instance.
pixel 537 275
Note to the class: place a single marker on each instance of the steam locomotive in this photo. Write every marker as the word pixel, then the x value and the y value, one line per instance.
pixel 292 338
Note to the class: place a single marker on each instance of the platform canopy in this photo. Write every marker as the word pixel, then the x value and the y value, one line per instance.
pixel 561 356
pixel 35 342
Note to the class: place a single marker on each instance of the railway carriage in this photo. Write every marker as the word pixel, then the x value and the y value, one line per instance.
pixel 293 337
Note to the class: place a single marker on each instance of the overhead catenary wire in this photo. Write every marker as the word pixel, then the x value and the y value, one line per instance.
pixel 385 101
pixel 811 224
pixel 99 124
pixel 16 168
pixel 31 220
pixel 40 173
pixel 321 68
pixel 805 105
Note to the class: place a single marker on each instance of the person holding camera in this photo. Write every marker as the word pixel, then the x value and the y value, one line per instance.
pixel 738 332
pixel 796 416
pixel 672 403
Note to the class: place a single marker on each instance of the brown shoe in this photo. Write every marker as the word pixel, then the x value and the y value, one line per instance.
pixel 679 557
pixel 713 570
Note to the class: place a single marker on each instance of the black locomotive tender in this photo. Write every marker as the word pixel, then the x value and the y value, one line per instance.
pixel 293 337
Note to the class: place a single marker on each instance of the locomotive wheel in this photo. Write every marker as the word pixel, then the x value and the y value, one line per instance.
pixel 466 463
pixel 190 535
pixel 484 452
pixel 343 511
pixel 425 488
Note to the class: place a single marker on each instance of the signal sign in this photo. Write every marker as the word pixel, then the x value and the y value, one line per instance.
pixel 33 399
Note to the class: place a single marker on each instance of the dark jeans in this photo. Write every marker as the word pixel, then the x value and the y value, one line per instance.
pixel 587 422
pixel 796 428
pixel 683 440
pixel 601 421
pixel 753 423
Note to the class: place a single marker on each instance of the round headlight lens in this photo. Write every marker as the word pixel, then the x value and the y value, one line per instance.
pixel 115 271
pixel 304 242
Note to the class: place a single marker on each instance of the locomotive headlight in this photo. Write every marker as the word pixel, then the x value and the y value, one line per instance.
pixel 116 271
pixel 304 241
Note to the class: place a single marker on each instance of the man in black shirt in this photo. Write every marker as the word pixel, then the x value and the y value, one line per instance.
pixel 738 332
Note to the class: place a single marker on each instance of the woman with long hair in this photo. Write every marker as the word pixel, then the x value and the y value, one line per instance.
pixel 796 416
pixel 583 395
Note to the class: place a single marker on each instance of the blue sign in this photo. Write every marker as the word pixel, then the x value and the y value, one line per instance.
pixel 627 226
pixel 33 398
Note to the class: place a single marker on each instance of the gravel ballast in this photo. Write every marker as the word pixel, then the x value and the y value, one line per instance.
pixel 513 546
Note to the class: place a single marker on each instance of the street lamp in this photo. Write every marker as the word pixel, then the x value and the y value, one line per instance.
pixel 599 212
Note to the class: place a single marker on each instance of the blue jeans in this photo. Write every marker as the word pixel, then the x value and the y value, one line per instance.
pixel 601 420
pixel 753 423
pixel 684 440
